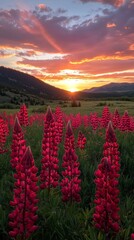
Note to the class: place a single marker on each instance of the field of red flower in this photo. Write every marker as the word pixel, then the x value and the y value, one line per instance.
pixel 66 177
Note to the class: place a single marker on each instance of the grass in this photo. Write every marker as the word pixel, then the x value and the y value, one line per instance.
pixel 86 107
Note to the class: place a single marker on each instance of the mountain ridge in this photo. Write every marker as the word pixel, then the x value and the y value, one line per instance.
pixel 26 83
pixel 112 87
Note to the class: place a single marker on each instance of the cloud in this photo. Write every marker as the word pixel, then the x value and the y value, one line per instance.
pixel 4 54
pixel 116 3
pixel 131 47
pixel 111 25
pixel 43 8
pixel 61 11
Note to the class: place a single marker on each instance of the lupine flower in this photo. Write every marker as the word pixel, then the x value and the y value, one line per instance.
pixel 76 121
pixel 132 124
pixel 70 184
pixel 86 120
pixel 105 117
pixel 49 174
pixel 94 121
pixel 110 148
pixel 18 146
pixel 3 135
pixel 125 122
pixel 132 236
pixel 69 138
pixel 59 124
pixel 116 119
pixel 23 217
pixel 106 215
pixel 23 115
pixel 81 140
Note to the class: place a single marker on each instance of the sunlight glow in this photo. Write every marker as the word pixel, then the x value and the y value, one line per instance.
pixel 71 84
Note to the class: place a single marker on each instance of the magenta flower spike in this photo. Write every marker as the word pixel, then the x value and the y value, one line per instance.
pixel 69 138
pixel 110 135
pixel 18 146
pixel 59 124
pixel 94 121
pixel 105 117
pixel 70 184
pixel 23 115
pixel 110 148
pixel 132 236
pixel 106 216
pixel 3 135
pixel 49 173
pixel 116 119
pixel 81 141
pixel 125 122
pixel 23 216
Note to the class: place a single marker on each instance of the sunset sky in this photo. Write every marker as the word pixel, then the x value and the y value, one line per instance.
pixel 71 44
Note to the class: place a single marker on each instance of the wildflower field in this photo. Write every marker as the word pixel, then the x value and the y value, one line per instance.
pixel 67 176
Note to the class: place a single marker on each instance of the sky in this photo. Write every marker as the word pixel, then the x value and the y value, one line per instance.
pixel 70 44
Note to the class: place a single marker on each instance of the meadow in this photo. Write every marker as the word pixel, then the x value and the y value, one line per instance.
pixel 71 220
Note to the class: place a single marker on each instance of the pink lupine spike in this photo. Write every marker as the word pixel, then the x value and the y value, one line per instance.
pixel 49 115
pixel 132 236
pixel 49 175
pixel 23 216
pixel 70 184
pixel 23 115
pixel 69 130
pixel 105 117
pixel 69 138
pixel 18 146
pixel 59 124
pixel 3 135
pixel 110 135
pixel 17 127
pixel 116 119
pixel 27 160
pixel 81 140
pixel 94 121
pixel 125 122
pixel 106 216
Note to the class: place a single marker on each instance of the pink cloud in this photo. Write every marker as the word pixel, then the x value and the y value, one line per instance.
pixel 116 3
pixel 42 6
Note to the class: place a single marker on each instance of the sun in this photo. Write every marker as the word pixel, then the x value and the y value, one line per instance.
pixel 71 85
pixel 73 90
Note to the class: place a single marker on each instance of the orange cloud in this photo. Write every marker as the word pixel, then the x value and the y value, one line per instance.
pixel 101 58
pixel 6 55
pixel 118 3
pixel 111 25
pixel 131 47
pixel 30 45
pixel 42 6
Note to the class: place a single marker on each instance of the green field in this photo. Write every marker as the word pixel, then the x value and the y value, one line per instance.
pixel 86 107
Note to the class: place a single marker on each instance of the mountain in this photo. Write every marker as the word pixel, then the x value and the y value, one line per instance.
pixel 26 84
pixel 116 88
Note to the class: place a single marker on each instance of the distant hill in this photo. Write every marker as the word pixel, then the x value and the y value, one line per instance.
pixel 27 84
pixel 115 88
